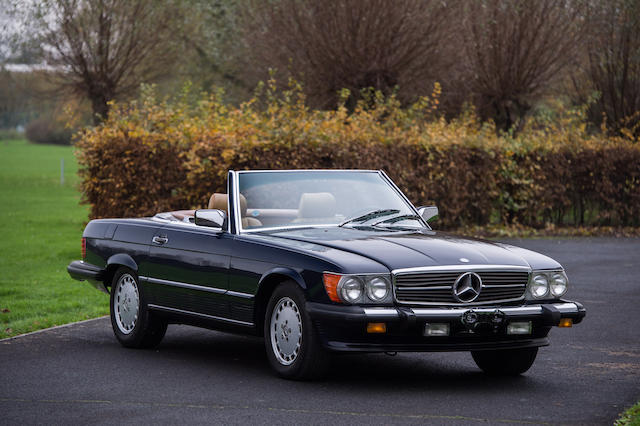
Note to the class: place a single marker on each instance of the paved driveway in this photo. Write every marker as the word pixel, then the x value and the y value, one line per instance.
pixel 80 374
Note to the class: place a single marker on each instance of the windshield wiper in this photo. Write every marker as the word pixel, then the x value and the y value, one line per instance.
pixel 371 215
pixel 400 218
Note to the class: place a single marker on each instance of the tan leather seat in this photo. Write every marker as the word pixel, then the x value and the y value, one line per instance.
pixel 221 202
pixel 315 207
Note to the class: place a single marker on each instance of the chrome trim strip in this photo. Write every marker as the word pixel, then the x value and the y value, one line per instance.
pixel 236 202
pixel 183 285
pixel 455 268
pixel 308 170
pixel 381 311
pixel 239 294
pixel 212 317
pixel 502 285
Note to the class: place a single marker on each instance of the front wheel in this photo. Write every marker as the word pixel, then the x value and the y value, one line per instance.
pixel 506 362
pixel 293 347
pixel 133 325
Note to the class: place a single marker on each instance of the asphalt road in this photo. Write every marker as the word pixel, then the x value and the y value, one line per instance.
pixel 80 374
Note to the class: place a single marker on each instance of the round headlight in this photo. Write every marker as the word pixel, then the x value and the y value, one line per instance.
pixel 377 289
pixel 351 290
pixel 558 284
pixel 539 286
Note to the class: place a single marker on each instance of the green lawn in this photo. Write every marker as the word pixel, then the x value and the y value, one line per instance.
pixel 41 223
pixel 631 417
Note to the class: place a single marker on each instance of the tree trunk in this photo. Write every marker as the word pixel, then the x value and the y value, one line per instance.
pixel 100 106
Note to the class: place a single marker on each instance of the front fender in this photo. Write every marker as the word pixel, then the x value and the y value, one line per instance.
pixel 282 271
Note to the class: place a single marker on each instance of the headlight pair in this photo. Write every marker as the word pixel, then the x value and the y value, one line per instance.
pixel 547 284
pixel 358 288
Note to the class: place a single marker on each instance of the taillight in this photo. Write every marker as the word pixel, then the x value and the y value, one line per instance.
pixel 84 248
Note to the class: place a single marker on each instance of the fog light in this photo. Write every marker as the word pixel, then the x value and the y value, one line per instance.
pixel 519 328
pixel 436 329
pixel 376 327
pixel 565 322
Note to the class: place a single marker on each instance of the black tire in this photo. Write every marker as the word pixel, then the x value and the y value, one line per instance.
pixel 147 329
pixel 311 361
pixel 506 362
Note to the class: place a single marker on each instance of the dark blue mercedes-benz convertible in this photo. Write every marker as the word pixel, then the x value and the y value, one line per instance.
pixel 325 260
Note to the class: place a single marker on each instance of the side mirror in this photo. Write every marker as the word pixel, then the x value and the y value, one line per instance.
pixel 210 217
pixel 428 213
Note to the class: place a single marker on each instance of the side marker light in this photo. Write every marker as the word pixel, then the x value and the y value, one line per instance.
pixel 376 327
pixel 565 322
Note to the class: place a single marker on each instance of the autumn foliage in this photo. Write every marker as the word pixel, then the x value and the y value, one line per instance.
pixel 153 155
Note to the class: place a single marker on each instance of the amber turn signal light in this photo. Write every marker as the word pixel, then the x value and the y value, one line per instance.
pixel 565 322
pixel 331 286
pixel 376 327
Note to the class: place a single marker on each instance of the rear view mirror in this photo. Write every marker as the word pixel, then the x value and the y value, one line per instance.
pixel 428 213
pixel 210 217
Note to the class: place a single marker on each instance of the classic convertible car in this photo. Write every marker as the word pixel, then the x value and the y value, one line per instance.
pixel 325 260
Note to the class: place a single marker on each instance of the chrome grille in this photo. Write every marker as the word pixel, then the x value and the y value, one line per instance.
pixel 435 287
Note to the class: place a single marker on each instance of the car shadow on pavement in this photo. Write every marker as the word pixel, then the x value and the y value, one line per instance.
pixel 242 356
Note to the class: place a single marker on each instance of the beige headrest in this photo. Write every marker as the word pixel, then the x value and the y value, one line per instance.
pixel 317 204
pixel 221 202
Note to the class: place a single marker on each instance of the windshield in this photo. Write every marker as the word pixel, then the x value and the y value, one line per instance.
pixel 307 198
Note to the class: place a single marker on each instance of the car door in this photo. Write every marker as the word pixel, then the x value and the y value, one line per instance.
pixel 188 270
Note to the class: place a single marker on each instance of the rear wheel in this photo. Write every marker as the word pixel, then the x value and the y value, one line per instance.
pixel 132 323
pixel 293 347
pixel 507 362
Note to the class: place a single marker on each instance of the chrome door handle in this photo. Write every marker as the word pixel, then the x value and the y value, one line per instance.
pixel 160 240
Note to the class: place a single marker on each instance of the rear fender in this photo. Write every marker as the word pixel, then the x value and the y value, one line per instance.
pixel 116 261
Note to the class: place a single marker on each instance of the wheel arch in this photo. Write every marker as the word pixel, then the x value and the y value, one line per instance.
pixel 266 286
pixel 115 262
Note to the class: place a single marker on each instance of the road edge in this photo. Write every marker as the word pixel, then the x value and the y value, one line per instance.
pixel 55 327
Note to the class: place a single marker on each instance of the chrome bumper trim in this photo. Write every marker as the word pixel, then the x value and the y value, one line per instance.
pixel 564 308
pixel 391 312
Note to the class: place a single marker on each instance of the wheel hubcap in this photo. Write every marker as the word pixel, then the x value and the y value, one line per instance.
pixel 126 303
pixel 286 331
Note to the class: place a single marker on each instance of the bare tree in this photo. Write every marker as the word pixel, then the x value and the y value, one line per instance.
pixel 352 44
pixel 613 65
pixel 104 49
pixel 512 49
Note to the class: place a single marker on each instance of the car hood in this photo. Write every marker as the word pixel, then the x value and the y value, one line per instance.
pixel 398 249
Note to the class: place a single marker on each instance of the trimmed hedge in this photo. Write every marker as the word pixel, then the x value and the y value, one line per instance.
pixel 151 156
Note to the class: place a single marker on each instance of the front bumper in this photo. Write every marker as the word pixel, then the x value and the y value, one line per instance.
pixel 343 328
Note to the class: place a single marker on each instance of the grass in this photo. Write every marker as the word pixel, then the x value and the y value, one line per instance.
pixel 631 417
pixel 42 223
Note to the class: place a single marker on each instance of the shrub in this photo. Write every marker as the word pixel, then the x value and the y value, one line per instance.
pixel 151 156
pixel 48 130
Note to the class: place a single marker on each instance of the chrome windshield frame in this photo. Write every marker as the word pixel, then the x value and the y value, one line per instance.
pixel 234 207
